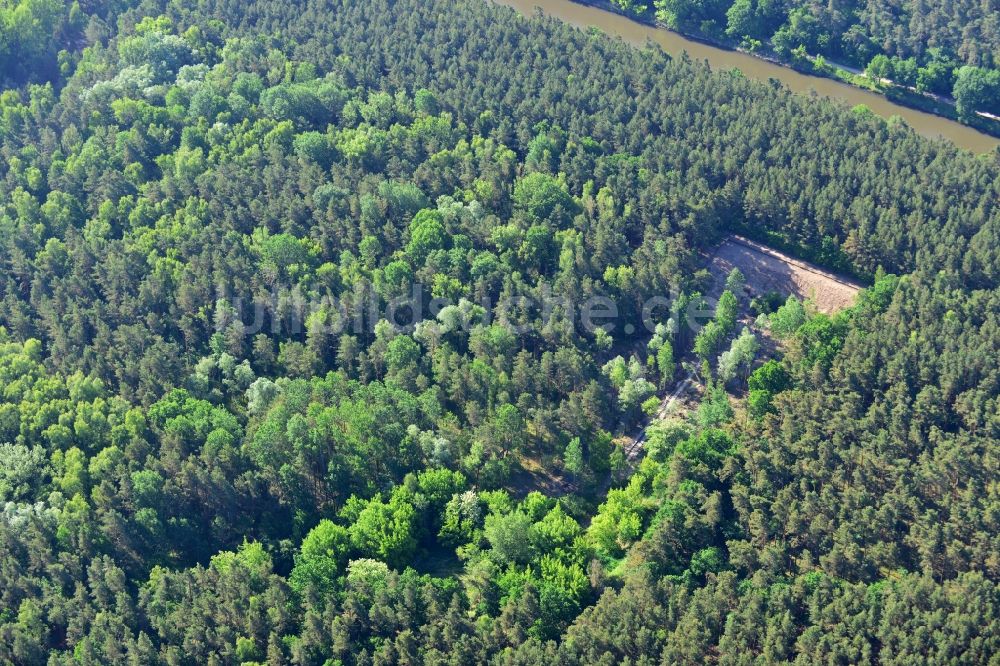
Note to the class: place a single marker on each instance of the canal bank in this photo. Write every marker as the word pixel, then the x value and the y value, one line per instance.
pixel 639 34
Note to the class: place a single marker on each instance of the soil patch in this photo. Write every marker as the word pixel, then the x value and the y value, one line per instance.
pixel 767 270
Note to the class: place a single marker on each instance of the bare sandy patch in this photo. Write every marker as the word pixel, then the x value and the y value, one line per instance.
pixel 767 269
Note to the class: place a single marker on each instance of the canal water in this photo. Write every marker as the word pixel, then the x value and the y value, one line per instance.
pixel 721 59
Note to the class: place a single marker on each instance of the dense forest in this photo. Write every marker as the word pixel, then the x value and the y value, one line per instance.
pixel 220 444
pixel 947 48
pixel 40 39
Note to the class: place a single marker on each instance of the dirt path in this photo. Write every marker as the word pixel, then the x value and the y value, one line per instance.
pixel 635 449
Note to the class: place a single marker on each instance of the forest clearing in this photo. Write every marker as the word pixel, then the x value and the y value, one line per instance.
pixel 768 270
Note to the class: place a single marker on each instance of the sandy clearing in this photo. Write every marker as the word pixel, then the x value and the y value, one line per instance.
pixel 767 269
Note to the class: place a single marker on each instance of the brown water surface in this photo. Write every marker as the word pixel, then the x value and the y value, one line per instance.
pixel 721 59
